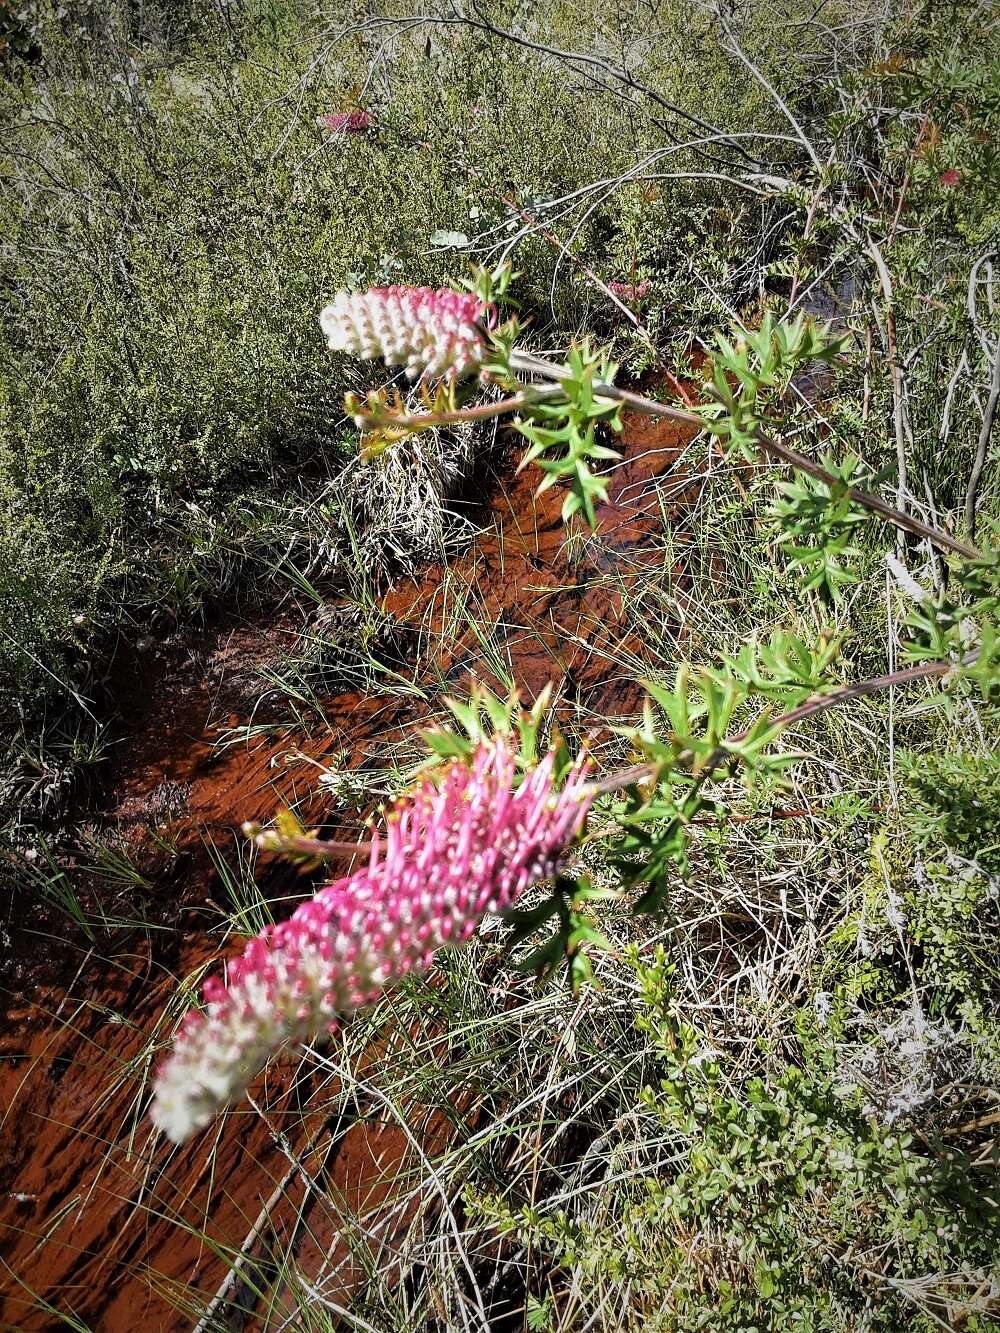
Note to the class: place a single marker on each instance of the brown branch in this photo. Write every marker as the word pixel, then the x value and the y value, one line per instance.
pixel 819 703
pixel 767 446
pixel 526 363
pixel 816 703
pixel 425 420
pixel 936 536
pixel 270 840
pixel 533 365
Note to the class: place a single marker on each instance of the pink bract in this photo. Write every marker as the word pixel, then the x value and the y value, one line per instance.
pixel 452 852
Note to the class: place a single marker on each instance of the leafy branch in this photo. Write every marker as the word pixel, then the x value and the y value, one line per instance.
pixel 728 718
pixel 683 741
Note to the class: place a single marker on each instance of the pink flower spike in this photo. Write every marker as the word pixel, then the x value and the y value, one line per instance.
pixel 346 122
pixel 949 179
pixel 452 852
pixel 433 333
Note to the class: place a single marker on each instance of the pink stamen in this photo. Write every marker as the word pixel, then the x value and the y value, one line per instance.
pixel 452 852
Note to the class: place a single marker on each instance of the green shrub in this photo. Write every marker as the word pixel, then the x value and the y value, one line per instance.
pixel 776 1202
pixel 172 218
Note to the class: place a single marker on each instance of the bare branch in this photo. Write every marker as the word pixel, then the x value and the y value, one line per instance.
pixel 989 416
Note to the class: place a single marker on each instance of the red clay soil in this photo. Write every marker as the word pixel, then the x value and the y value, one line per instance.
pixel 104 1225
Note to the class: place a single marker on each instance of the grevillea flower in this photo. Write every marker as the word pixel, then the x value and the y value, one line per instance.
pixel 431 332
pixel 630 291
pixel 346 122
pixel 452 851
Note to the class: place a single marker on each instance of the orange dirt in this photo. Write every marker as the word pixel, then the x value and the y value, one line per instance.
pixel 101 1222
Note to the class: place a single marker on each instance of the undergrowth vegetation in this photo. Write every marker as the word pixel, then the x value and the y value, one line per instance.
pixel 759 1088
pixel 173 219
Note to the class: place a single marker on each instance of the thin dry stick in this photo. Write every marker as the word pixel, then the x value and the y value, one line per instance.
pixel 989 416
pixel 583 267
pixel 905 187
pixel 807 230
pixel 769 87
pixel 898 388
pixel 229 1284
pixel 585 59
pixel 243 1258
